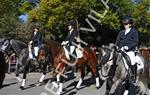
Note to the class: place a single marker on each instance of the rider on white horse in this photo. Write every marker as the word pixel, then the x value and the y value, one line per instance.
pixel 127 41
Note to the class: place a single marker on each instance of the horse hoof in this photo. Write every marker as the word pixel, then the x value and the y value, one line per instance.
pixel 19 79
pixel 77 88
pixel 98 87
pixel 21 88
pixel 39 84
pixel 58 93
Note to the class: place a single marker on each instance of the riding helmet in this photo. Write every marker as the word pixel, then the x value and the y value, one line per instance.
pixel 127 20
pixel 72 23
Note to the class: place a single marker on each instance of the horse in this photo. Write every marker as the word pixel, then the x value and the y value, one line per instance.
pixel 115 70
pixel 2 68
pixel 59 62
pixel 23 61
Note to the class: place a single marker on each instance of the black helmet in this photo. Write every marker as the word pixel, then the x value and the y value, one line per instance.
pixel 127 20
pixel 72 23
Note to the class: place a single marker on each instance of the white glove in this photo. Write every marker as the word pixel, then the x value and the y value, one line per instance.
pixel 64 42
pixel 31 42
pixel 125 47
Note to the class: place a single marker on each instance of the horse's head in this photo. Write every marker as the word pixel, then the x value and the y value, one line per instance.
pixel 6 46
pixel 105 55
pixel 43 54
pixel 105 59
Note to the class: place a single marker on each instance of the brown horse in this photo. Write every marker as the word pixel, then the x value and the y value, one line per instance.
pixel 60 61
pixel 146 74
pixel 2 68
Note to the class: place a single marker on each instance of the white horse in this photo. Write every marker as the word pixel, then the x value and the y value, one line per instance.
pixel 115 70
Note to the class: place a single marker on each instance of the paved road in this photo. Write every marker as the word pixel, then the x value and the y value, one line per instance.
pixel 11 86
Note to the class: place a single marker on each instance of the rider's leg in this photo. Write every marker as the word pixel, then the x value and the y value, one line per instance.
pixel 72 52
pixel 131 54
pixel 35 54
pixel 36 49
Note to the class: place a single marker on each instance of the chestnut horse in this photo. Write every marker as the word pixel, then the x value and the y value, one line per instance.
pixel 60 61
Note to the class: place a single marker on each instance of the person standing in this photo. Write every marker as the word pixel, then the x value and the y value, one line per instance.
pixel 127 41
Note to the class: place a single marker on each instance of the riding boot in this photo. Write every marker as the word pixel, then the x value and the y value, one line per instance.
pixel 72 58
pixel 134 72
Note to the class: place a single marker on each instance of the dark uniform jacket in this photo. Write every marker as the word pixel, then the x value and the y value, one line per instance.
pixel 130 39
pixel 71 37
pixel 37 38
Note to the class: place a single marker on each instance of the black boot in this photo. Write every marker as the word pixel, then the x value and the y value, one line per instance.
pixel 72 58
pixel 134 72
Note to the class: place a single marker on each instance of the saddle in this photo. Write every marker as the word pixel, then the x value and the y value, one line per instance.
pixel 78 53
pixel 138 60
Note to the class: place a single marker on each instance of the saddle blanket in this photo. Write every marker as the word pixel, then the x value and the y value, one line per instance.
pixel 139 63
pixel 77 51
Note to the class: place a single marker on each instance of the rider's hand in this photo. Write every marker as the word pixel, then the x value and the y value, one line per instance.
pixel 64 42
pixel 125 47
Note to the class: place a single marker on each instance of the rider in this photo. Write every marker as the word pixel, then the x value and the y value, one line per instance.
pixel 71 37
pixel 36 40
pixel 127 41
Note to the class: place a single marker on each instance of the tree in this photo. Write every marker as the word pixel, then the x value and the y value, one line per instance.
pixel 8 17
pixel 52 15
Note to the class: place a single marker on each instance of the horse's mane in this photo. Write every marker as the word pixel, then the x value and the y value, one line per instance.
pixel 17 45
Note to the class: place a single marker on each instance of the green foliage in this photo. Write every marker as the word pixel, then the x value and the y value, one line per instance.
pixel 141 16
pixel 111 20
pixel 8 17
pixel 52 16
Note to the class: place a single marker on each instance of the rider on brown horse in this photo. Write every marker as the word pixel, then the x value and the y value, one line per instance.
pixel 71 38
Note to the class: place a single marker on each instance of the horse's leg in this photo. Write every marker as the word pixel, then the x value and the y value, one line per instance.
pixel 60 83
pixel 26 68
pixel 99 81
pixel 18 70
pixel 96 75
pixel 109 83
pixel 44 74
pixel 60 80
pixel 81 79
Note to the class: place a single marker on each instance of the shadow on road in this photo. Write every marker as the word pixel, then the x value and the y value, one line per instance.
pixel 5 85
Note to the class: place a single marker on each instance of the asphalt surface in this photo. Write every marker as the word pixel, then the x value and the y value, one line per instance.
pixel 11 86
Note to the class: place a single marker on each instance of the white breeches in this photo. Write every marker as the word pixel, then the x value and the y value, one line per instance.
pixel 131 54
pixel 36 50
pixel 72 48
pixel 30 53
